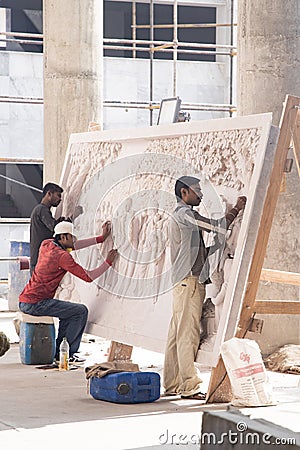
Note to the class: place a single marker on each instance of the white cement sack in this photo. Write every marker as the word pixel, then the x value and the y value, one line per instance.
pixel 247 373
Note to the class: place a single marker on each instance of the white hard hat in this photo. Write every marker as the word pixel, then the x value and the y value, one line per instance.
pixel 64 227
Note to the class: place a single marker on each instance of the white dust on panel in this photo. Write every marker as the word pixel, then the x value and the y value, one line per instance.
pixel 85 160
pixel 227 158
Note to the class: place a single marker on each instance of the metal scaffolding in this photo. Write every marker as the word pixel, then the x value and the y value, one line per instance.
pixel 151 46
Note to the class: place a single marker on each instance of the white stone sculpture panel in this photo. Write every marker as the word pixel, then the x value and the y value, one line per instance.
pixel 128 177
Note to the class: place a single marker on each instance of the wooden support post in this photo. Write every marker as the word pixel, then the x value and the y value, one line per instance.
pixel 276 307
pixel 119 352
pixel 216 391
pixel 296 141
pixel 287 124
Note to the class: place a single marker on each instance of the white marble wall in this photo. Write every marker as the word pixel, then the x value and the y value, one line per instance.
pixel 197 82
pixel 21 74
pixel 21 125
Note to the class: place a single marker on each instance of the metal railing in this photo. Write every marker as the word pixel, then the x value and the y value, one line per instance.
pixel 128 105
pixel 14 37
pixel 14 220
pixel 151 46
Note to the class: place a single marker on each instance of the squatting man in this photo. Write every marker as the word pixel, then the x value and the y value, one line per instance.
pixel 190 271
pixel 53 263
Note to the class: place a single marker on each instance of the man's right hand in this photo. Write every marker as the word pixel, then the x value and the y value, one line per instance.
pixel 111 255
pixel 241 203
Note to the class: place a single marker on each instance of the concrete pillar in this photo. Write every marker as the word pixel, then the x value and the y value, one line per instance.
pixel 268 69
pixel 73 56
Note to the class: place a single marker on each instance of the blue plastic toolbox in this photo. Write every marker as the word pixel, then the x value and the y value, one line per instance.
pixel 126 387
pixel 37 343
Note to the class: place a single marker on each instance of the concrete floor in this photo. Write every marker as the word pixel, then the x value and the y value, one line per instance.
pixel 52 409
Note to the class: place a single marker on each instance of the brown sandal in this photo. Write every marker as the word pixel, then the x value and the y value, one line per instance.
pixel 197 396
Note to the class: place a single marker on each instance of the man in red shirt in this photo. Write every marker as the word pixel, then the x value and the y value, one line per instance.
pixel 53 263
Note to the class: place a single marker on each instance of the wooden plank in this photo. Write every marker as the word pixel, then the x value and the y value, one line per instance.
pixel 215 391
pixel 279 276
pixel 219 388
pixel 296 141
pixel 256 326
pixel 276 307
pixel 119 352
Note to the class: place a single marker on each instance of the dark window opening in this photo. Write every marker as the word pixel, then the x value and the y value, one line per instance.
pixel 117 25
pixel 17 198
pixel 197 15
pixel 23 16
pixel 118 21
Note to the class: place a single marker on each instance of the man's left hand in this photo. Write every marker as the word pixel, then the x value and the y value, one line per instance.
pixel 106 229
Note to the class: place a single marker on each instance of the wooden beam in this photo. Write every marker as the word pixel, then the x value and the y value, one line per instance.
pixel 296 141
pixel 276 307
pixel 279 276
pixel 219 388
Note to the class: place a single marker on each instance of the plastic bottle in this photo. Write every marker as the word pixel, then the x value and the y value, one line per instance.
pixel 64 355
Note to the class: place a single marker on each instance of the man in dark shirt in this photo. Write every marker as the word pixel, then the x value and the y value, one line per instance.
pixel 42 222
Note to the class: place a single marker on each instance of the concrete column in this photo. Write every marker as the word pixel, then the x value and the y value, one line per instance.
pixel 268 69
pixel 73 56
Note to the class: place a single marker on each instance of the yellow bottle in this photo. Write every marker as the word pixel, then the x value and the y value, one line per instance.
pixel 64 355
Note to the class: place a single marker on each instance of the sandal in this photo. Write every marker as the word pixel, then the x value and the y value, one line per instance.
pixel 169 394
pixel 197 396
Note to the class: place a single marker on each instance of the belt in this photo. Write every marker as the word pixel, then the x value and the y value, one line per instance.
pixel 190 274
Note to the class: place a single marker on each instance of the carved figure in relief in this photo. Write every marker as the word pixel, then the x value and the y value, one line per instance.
pixel 227 156
pixel 159 247
pixel 225 267
pixel 189 255
pixel 127 225
pixel 217 290
pixel 151 250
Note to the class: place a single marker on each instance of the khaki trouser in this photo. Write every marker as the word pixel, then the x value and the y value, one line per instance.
pixel 180 374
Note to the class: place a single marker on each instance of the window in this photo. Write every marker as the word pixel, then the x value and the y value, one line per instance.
pixel 117 25
pixel 17 198
pixel 23 16
pixel 118 21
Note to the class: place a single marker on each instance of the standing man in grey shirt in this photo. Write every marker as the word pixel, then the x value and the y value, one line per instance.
pixel 190 274
pixel 42 222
